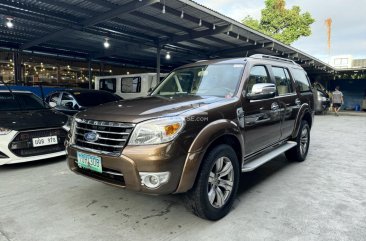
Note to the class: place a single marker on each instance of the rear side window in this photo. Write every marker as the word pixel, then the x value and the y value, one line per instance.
pixel 301 80
pixel 53 98
pixel 108 85
pixel 131 85
pixel 258 75
pixel 283 81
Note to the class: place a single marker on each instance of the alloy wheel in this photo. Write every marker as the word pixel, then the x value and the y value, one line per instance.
pixel 304 141
pixel 220 182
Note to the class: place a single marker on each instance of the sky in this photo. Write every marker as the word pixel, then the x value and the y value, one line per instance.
pixel 348 29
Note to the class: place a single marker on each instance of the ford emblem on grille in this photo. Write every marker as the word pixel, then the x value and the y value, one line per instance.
pixel 91 136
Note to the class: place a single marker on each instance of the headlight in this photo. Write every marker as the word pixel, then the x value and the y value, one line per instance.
pixel 157 131
pixel 4 131
pixel 72 130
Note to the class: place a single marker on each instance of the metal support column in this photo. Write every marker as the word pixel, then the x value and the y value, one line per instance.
pixel 89 74
pixel 158 52
pixel 58 74
pixel 17 68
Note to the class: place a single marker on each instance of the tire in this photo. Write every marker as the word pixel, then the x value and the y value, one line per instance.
pixel 213 194
pixel 299 152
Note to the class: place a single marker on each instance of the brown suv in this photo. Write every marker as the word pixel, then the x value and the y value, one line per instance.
pixel 202 126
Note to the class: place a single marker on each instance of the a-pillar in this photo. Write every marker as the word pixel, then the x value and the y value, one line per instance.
pixel 90 73
pixel 17 67
pixel 158 63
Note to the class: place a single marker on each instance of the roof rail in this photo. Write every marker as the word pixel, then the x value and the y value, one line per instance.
pixel 270 57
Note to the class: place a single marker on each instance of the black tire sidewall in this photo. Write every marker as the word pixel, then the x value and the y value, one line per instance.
pixel 302 157
pixel 211 212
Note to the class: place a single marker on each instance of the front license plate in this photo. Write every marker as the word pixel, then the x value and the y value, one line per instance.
pixel 45 141
pixel 90 162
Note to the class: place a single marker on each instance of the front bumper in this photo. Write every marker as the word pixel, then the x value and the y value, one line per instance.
pixel 124 170
pixel 11 158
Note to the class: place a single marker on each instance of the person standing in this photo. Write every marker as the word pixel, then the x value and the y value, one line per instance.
pixel 337 100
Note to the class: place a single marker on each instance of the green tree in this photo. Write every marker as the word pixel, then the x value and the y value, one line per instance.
pixel 285 25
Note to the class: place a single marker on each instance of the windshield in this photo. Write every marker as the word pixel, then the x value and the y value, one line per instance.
pixel 211 80
pixel 88 99
pixel 22 101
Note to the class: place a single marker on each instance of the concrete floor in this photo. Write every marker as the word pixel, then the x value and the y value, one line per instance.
pixel 323 198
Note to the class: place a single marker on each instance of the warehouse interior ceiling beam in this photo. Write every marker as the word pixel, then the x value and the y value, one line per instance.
pixel 130 7
pixel 140 32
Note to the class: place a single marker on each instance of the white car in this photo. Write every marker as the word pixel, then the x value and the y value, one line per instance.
pixel 129 86
pixel 29 129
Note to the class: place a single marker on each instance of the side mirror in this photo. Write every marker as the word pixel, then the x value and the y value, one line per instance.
pixel 262 91
pixel 52 104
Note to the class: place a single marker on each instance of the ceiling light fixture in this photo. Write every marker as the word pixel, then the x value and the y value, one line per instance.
pixel 182 14
pixel 9 23
pixel 168 56
pixel 200 23
pixel 164 10
pixel 214 27
pixel 106 43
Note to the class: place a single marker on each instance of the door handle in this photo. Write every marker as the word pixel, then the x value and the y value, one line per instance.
pixel 275 106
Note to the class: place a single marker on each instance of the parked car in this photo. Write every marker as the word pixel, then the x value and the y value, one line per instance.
pixel 202 126
pixel 322 99
pixel 29 129
pixel 71 101
pixel 129 86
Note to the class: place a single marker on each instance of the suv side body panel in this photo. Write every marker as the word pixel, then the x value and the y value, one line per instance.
pixel 262 120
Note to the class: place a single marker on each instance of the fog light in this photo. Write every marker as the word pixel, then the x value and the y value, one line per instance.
pixel 154 180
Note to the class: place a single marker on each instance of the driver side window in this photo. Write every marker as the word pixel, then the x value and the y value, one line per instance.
pixel 67 101
pixel 258 75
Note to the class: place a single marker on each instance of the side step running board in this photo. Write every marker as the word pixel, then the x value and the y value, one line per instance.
pixel 248 167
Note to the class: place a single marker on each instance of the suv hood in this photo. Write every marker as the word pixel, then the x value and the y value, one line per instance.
pixel 140 109
pixel 31 120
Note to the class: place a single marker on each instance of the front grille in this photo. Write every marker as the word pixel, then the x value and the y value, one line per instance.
pixel 22 144
pixel 112 136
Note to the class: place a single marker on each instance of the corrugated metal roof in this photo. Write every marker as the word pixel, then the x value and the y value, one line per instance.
pixel 135 29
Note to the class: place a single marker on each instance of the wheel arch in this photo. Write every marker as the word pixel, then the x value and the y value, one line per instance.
pixel 305 113
pixel 216 133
